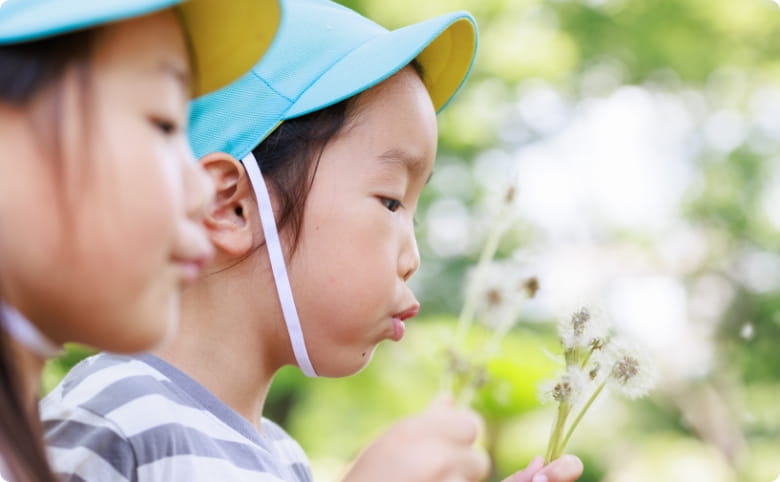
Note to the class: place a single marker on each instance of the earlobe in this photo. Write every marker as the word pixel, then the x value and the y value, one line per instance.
pixel 226 219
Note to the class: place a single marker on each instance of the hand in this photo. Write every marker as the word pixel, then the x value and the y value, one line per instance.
pixel 436 445
pixel 568 468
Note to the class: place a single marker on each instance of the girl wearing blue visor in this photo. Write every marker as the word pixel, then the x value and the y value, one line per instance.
pixel 102 201
pixel 319 155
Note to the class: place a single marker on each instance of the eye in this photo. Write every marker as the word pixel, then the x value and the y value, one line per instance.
pixel 391 204
pixel 167 127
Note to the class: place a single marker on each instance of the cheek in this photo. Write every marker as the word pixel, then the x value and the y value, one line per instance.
pixel 129 207
pixel 345 272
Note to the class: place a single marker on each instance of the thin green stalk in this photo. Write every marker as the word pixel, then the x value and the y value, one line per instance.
pixel 587 358
pixel 472 301
pixel 467 394
pixel 467 313
pixel 555 436
pixel 576 422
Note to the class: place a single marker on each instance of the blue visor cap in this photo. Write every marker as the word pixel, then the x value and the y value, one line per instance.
pixel 227 38
pixel 325 53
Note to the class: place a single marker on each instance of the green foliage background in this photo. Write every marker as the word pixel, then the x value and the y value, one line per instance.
pixel 720 425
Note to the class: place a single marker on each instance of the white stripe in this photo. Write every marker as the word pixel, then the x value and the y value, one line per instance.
pixel 96 382
pixel 153 410
pixel 83 462
pixel 193 468
pixel 278 266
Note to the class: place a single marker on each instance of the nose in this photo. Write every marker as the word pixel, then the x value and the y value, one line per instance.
pixel 409 260
pixel 199 189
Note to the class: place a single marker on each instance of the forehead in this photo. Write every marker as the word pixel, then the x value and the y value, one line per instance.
pixel 153 45
pixel 397 121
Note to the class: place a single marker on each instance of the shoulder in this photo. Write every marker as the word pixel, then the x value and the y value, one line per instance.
pixel 81 441
pixel 103 384
pixel 288 450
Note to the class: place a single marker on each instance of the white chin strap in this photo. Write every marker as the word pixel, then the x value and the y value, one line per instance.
pixel 278 266
pixel 23 331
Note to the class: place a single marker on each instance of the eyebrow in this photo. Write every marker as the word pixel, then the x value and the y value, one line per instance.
pixel 414 165
pixel 181 75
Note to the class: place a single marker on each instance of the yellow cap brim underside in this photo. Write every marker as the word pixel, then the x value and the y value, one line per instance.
pixel 447 60
pixel 227 38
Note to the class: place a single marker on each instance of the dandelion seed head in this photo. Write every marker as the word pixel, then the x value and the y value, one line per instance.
pixel 509 197
pixel 632 372
pixel 625 368
pixel 531 286
pixel 579 320
pixel 500 293
pixel 593 373
pixel 568 387
pixel 598 343
pixel 583 328
pixel 493 297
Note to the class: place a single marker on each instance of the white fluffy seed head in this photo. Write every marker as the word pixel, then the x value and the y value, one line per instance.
pixel 631 371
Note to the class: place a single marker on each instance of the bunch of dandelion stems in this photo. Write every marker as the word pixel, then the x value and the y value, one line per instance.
pixel 557 445
pixel 469 310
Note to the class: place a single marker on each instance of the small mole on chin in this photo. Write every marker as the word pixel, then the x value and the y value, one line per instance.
pixel 364 354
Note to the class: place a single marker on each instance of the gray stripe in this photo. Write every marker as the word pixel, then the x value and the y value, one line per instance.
pixel 302 472
pixel 174 439
pixel 128 389
pixel 104 442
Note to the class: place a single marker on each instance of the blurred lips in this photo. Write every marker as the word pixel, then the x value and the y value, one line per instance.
pixel 191 267
pixel 191 256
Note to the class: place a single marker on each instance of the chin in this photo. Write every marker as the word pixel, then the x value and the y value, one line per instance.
pixel 145 329
pixel 348 367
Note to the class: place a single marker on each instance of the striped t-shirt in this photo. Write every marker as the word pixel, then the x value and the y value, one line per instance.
pixel 123 418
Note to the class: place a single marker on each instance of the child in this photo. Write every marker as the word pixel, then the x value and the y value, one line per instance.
pixel 340 119
pixel 100 218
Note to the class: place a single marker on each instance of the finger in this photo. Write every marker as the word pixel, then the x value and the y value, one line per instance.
pixel 474 465
pixel 567 468
pixel 457 424
pixel 526 474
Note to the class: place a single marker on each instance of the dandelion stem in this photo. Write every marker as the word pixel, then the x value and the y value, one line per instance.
pixel 466 317
pixel 555 436
pixel 576 422
pixel 467 394
pixel 472 298
pixel 587 358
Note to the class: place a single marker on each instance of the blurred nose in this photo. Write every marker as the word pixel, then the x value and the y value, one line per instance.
pixel 198 188
pixel 409 259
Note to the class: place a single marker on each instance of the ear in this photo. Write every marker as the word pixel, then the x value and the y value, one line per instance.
pixel 226 220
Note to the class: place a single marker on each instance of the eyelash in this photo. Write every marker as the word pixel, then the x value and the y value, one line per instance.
pixel 167 127
pixel 392 205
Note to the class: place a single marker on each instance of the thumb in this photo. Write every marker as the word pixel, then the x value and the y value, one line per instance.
pixel 526 474
pixel 565 469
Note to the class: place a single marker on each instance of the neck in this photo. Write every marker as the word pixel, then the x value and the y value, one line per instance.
pixel 226 343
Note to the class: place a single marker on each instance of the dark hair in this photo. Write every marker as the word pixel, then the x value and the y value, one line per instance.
pixel 289 158
pixel 290 155
pixel 27 69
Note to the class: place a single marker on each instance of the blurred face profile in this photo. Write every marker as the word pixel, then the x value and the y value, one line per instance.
pixel 101 232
